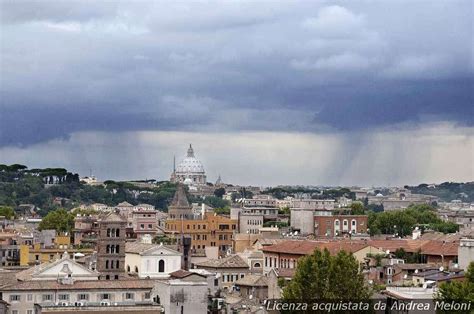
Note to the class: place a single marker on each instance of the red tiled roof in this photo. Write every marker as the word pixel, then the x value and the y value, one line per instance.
pixel 306 247
pixel 392 245
pixel 181 273
pixel 440 248
pixel 82 285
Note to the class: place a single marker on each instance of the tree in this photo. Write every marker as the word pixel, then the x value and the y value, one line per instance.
pixel 458 290
pixel 7 212
pixel 357 208
pixel 219 192
pixel 322 276
pixel 59 220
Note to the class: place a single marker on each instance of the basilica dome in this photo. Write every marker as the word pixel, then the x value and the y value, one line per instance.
pixel 190 164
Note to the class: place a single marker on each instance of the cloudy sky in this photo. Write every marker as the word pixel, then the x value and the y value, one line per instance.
pixel 283 92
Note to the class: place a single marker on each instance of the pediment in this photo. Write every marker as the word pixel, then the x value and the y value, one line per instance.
pixel 63 267
pixel 160 251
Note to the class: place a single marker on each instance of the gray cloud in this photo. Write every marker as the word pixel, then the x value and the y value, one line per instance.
pixel 234 66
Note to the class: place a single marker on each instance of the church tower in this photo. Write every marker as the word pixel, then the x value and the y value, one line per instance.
pixel 111 246
pixel 180 208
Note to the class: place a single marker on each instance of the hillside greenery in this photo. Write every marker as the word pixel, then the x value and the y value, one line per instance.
pixel 447 191
pixel 52 188
pixel 402 222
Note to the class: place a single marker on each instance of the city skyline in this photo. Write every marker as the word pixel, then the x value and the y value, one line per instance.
pixel 320 93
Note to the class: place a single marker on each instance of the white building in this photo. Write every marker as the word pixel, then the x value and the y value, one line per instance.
pixel 183 292
pixel 151 260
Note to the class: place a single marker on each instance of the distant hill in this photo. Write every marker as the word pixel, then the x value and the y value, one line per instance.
pixel 52 188
pixel 447 191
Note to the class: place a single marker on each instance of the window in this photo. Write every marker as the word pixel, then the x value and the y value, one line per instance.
pixel 104 296
pixel 161 266
pixel 147 295
pixel 117 264
pixel 29 297
pixel 149 226
pixel 117 233
pixel 47 297
pixel 142 226
pixel 216 282
pixel 129 296
pixel 14 311
pixel 106 264
pixel 83 296
pixel 29 311
pixel 15 297
pixel 63 297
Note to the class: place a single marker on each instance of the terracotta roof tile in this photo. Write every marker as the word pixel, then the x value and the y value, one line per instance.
pixel 233 261
pixel 82 285
pixel 253 280
pixel 305 247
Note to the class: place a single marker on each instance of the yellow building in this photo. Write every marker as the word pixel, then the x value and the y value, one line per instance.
pixel 213 230
pixel 36 254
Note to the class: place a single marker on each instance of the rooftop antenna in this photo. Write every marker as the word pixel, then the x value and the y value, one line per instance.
pixel 174 163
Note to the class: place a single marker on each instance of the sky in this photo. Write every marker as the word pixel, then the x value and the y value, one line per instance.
pixel 364 93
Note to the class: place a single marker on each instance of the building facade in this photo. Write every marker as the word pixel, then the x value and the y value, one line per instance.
pixel 337 225
pixel 148 260
pixel 111 246
pixel 212 230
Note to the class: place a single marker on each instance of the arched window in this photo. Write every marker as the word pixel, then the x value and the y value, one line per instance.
pixel 128 268
pixel 117 233
pixel 107 249
pixel 107 264
pixel 108 233
pixel 117 249
pixel 136 269
pixel 337 224
pixel 161 266
pixel 117 264
pixel 257 265
pixel 107 277
pixel 112 233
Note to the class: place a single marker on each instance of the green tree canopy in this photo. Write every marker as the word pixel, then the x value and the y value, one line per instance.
pixel 219 192
pixel 357 208
pixel 404 221
pixel 458 290
pixel 7 212
pixel 322 276
pixel 60 220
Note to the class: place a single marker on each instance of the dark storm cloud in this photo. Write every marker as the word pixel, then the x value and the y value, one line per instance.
pixel 214 66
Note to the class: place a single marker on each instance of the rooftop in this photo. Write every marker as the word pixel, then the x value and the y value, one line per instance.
pixel 82 285
pixel 233 261
pixel 253 280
